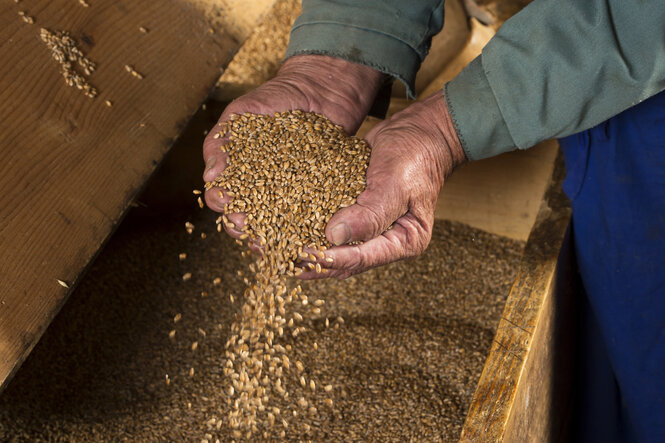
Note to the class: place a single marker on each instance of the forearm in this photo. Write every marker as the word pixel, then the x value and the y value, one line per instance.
pixel 557 68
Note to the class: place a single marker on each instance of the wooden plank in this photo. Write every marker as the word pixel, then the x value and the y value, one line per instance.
pixel 71 165
pixel 541 409
pixel 494 12
pixel 526 322
pixel 501 195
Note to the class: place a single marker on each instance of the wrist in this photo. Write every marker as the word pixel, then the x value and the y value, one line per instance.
pixel 331 81
pixel 446 127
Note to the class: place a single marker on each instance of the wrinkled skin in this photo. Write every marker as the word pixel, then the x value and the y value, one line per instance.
pixel 412 154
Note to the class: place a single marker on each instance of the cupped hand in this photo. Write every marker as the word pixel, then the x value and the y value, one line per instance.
pixel 340 90
pixel 412 154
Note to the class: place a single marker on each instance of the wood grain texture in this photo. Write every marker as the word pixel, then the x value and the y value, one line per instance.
pixel 526 323
pixel 543 403
pixel 71 165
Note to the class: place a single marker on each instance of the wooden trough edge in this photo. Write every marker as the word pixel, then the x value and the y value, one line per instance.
pixel 522 394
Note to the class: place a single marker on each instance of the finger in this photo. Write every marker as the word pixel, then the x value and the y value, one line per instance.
pixel 238 220
pixel 235 233
pixel 255 248
pixel 311 273
pixel 216 198
pixel 375 210
pixel 409 237
pixel 215 159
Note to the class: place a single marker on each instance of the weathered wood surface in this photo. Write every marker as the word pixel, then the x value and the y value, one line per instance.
pixel 494 12
pixel 71 165
pixel 515 398
pixel 543 402
pixel 479 36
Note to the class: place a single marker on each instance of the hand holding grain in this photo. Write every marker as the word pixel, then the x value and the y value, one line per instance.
pixel 341 90
pixel 412 153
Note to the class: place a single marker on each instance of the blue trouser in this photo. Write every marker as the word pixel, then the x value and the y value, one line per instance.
pixel 616 183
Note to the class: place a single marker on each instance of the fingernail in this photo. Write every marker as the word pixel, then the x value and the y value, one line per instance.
pixel 340 234
pixel 210 163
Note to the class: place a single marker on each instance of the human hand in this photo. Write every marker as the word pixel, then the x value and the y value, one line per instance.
pixel 412 154
pixel 340 90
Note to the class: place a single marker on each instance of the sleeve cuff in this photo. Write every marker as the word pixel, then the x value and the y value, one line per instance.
pixel 480 126
pixel 382 52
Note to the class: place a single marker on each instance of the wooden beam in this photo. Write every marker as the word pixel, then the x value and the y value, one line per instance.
pixel 72 165
pixel 516 384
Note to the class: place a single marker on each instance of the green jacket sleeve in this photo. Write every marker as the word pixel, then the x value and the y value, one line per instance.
pixel 392 36
pixel 557 68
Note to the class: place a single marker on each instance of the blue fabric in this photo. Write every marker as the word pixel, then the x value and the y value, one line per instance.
pixel 616 183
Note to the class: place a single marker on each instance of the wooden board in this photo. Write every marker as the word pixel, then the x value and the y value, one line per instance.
pixel 543 401
pixel 520 396
pixel 501 195
pixel 71 165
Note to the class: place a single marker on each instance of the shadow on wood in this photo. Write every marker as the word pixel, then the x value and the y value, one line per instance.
pixel 72 165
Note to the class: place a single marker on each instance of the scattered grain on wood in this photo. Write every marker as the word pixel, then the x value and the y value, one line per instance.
pixel 133 72
pixel 66 52
pixel 27 18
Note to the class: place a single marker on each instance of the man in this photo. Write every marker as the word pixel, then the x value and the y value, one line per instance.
pixel 589 72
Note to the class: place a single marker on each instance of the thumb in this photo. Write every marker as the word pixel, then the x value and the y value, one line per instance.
pixel 375 210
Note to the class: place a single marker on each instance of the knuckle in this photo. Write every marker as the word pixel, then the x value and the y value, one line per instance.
pixel 360 260
pixel 417 236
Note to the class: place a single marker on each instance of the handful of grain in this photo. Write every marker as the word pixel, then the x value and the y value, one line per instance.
pixel 289 173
